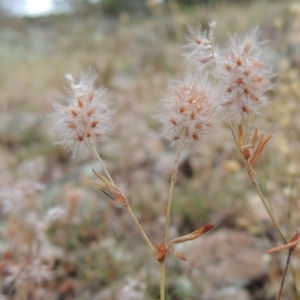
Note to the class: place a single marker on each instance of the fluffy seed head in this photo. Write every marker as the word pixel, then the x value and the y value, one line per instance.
pixel 199 47
pixel 244 76
pixel 86 120
pixel 189 109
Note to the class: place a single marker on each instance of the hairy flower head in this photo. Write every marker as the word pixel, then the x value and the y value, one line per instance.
pixel 86 120
pixel 244 75
pixel 188 111
pixel 199 47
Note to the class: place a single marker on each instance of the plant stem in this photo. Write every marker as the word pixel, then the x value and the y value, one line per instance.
pixel 128 207
pixel 290 209
pixel 284 274
pixel 162 280
pixel 255 183
pixel 141 230
pixel 168 213
pixel 101 162
pixel 295 282
pixel 173 181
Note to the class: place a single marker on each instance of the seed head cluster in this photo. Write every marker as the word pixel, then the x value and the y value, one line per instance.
pixel 188 111
pixel 234 79
pixel 244 76
pixel 87 119
pixel 199 48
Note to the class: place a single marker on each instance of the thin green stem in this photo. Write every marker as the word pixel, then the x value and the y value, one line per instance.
pixel 141 230
pixel 290 209
pixel 128 207
pixel 284 274
pixel 255 183
pixel 101 162
pixel 257 188
pixel 295 282
pixel 162 280
pixel 173 181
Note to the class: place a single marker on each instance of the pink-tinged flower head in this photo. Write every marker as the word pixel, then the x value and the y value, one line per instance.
pixel 244 76
pixel 86 120
pixel 189 109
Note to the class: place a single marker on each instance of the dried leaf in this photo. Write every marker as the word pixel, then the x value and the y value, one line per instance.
pixel 247 146
pixel 254 137
pixel 178 255
pixel 103 179
pixel 192 235
pixel 120 198
pixel 262 142
pixel 109 189
pixel 240 136
pixel 291 245
pixel 295 238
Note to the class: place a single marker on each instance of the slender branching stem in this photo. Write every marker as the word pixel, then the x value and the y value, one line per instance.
pixel 290 209
pixel 284 274
pixel 168 213
pixel 257 188
pixel 128 207
pixel 162 280
pixel 101 162
pixel 172 185
pixel 259 192
pixel 141 230
pixel 255 183
pixel 295 282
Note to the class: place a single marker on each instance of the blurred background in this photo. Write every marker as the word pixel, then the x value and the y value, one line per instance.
pixel 62 240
